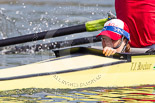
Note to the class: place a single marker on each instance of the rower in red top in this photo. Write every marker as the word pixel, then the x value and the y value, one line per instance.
pixel 140 18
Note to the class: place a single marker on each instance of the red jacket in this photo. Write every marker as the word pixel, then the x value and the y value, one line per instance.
pixel 139 15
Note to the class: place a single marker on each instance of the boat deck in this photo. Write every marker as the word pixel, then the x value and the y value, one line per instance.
pixel 69 63
pixel 81 68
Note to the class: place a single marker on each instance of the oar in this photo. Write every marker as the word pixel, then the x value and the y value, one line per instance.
pixel 54 45
pixel 88 26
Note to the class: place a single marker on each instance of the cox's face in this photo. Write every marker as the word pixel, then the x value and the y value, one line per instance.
pixel 108 42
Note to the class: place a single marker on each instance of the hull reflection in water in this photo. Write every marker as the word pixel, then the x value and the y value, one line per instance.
pixel 139 94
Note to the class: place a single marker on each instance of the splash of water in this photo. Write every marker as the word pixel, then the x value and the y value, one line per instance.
pixel 8 27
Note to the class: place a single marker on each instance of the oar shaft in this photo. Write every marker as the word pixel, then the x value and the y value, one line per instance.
pixel 55 45
pixel 88 26
pixel 43 35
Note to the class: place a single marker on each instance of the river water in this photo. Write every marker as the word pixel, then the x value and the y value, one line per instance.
pixel 21 17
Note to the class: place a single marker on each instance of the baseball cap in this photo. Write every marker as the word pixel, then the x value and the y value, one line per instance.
pixel 115 29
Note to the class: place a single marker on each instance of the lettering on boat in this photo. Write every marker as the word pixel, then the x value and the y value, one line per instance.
pixel 135 66
pixel 82 84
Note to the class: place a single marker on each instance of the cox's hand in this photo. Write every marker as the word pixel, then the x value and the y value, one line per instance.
pixel 107 51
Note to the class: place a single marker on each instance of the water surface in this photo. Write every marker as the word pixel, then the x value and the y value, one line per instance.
pixel 21 17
